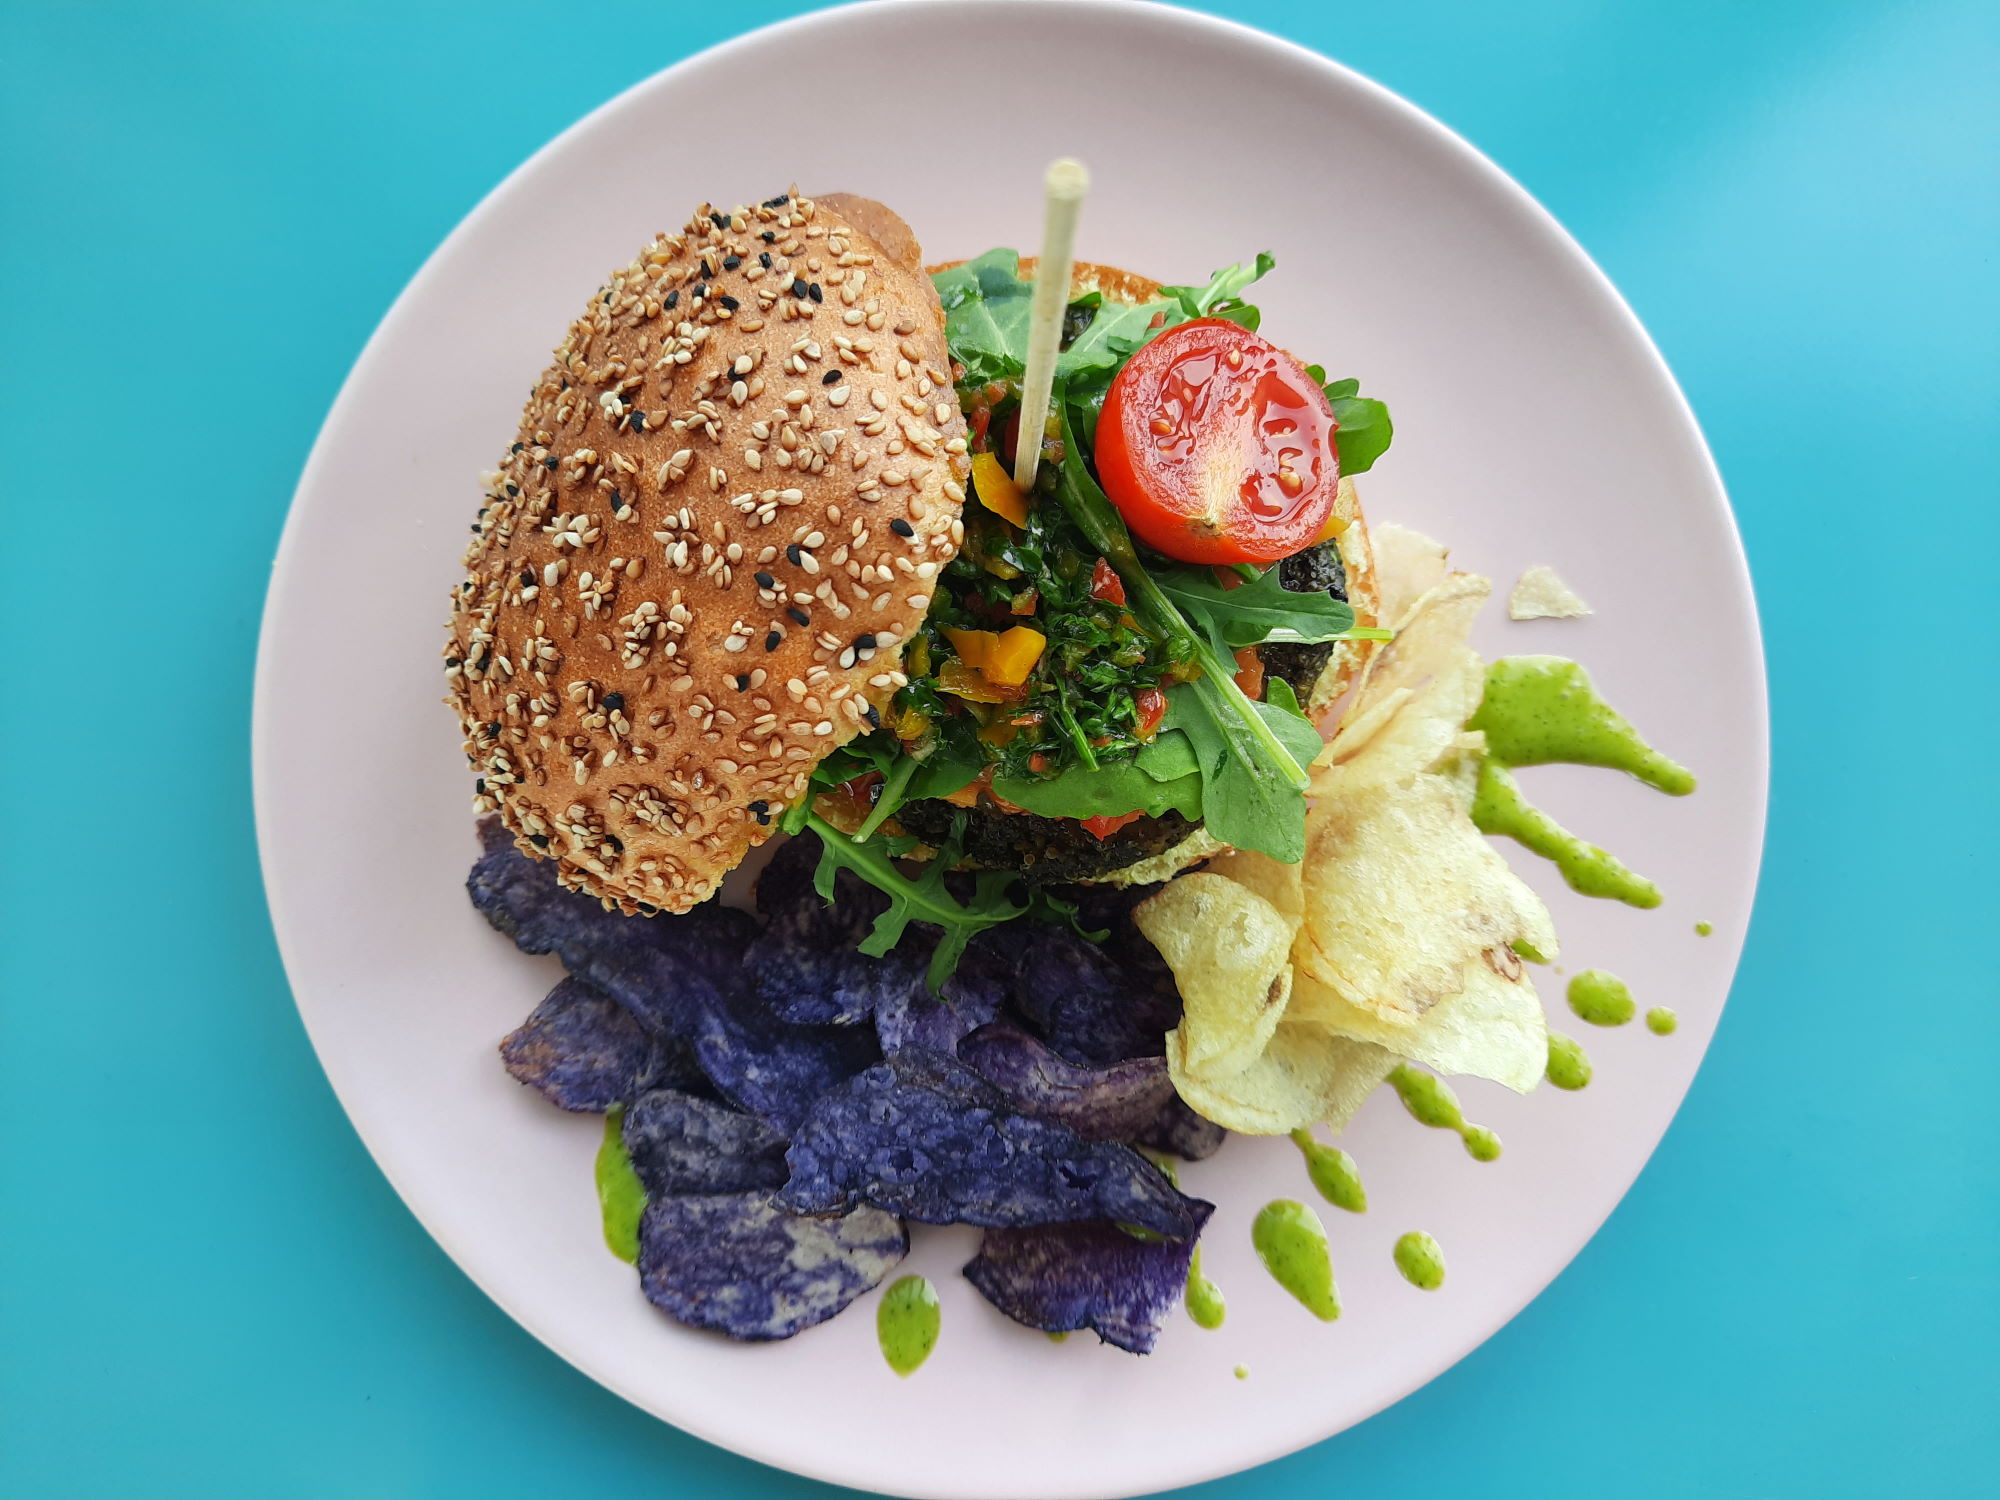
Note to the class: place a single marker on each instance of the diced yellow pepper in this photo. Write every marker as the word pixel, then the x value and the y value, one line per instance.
pixel 996 488
pixel 963 680
pixel 1013 655
pixel 971 645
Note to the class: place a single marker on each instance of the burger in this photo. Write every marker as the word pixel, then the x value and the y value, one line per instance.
pixel 756 560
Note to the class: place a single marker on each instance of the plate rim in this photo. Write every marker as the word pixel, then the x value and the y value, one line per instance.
pixel 1552 237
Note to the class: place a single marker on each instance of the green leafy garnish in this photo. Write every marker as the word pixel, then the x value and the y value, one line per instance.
pixel 1253 613
pixel 1365 430
pixel 923 899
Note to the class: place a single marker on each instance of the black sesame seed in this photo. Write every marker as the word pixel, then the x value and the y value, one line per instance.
pixel 764 580
pixel 799 617
pixel 513 490
pixel 539 840
pixel 873 716
pixel 707 271
pixel 731 303
pixel 902 527
pixel 764 259
pixel 771 641
pixel 517 447
pixel 769 237
pixel 700 291
pixel 731 262
pixel 452 661
pixel 720 221
pixel 614 702
pixel 814 292
pixel 672 297
pixel 485 661
pixel 793 555
pixel 778 202
pixel 742 682
pixel 527 578
pixel 864 642
pixel 551 462
pixel 799 288
pixel 613 843
pixel 479 785
pixel 831 377
pixel 491 730
pixel 607 299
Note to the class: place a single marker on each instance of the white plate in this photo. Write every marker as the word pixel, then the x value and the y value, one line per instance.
pixel 1535 423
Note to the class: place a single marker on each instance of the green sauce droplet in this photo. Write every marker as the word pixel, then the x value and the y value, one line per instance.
pixel 1057 1336
pixel 906 1323
pixel 1420 1260
pixel 1539 710
pixel 1601 999
pixel 1568 1067
pixel 1661 1021
pixel 1242 1372
pixel 1499 807
pixel 619 1191
pixel 1431 1102
pixel 1204 1298
pixel 1703 929
pixel 1291 1242
pixel 1333 1172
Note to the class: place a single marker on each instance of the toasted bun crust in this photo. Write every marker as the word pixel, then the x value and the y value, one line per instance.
pixel 695 570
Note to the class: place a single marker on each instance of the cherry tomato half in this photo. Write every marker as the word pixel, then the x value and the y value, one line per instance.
pixel 1217 447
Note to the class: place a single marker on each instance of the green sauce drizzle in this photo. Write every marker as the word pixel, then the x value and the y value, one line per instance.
pixel 1661 1021
pixel 1057 1336
pixel 1431 1102
pixel 1204 1298
pixel 1420 1260
pixel 619 1191
pixel 906 1323
pixel 1291 1242
pixel 1333 1173
pixel 1539 710
pixel 1601 999
pixel 1703 929
pixel 1568 1067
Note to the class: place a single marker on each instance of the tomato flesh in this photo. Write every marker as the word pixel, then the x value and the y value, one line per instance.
pixel 1217 447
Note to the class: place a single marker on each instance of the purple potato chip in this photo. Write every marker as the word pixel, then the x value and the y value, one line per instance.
pixel 804 962
pixel 1061 1277
pixel 681 976
pixel 923 1136
pixel 1090 1003
pixel 580 1049
pixel 913 1017
pixel 734 1263
pixel 1132 1100
pixel 682 1145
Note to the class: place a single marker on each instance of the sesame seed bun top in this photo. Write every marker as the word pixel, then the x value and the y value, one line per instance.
pixel 694 572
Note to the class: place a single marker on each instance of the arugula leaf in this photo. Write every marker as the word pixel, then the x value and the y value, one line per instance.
pixel 1253 613
pixel 1364 432
pixel 1106 792
pixel 986 311
pixel 923 899
pixel 1242 804
pixel 1224 287
pixel 1365 429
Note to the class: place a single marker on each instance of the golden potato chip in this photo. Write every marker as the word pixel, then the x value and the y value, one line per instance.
pixel 1408 565
pixel 1401 893
pixel 1415 694
pixel 1229 949
pixel 1305 1076
pixel 1492 1028
pixel 1277 882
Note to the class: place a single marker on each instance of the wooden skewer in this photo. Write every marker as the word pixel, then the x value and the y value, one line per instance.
pixel 1063 188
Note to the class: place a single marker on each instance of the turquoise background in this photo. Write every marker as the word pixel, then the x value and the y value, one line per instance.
pixel 206 1289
